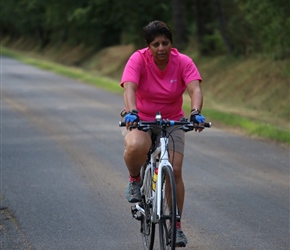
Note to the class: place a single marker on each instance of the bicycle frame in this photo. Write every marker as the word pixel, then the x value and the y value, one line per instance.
pixel 163 161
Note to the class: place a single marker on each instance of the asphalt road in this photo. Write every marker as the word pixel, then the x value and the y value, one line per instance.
pixel 63 178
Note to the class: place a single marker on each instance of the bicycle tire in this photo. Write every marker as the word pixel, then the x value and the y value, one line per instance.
pixel 167 220
pixel 147 227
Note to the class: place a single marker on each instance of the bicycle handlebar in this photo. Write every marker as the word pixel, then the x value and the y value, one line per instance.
pixel 186 125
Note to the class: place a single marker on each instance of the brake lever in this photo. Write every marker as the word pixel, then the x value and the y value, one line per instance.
pixel 187 127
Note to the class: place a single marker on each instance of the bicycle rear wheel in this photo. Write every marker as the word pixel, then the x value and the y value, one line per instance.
pixel 147 227
pixel 167 220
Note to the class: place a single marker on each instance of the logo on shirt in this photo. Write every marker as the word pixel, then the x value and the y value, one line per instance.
pixel 173 80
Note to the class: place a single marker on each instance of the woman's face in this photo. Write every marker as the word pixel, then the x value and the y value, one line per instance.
pixel 160 48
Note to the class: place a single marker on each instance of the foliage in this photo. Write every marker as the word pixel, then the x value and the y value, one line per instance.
pixel 270 25
pixel 236 27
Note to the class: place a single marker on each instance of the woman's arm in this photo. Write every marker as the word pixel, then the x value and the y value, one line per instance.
pixel 195 94
pixel 130 96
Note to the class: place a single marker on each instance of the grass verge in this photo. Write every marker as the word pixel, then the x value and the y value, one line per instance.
pixel 249 126
pixel 252 127
pixel 71 72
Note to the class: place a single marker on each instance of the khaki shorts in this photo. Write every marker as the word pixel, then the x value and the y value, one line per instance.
pixel 176 136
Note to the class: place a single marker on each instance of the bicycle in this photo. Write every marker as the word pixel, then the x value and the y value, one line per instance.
pixel 158 203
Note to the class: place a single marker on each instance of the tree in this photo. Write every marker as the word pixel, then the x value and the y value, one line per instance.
pixel 270 23
pixel 180 31
pixel 237 27
pixel 204 13
pixel 222 26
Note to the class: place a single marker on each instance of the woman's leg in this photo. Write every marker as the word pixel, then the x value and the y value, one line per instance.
pixel 176 161
pixel 137 145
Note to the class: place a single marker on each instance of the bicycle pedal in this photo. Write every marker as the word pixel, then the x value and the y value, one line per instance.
pixel 135 213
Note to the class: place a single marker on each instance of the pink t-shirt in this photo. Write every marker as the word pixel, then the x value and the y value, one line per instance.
pixel 160 90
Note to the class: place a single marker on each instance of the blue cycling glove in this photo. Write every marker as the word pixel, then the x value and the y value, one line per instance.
pixel 196 117
pixel 132 116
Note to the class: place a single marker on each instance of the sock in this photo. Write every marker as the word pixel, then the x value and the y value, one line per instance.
pixel 135 178
pixel 178 225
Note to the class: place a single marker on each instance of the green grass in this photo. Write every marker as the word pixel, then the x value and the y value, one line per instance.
pixel 251 126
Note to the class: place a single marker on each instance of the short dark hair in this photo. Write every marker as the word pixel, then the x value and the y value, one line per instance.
pixel 156 28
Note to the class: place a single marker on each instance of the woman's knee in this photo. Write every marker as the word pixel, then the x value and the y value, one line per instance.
pixel 137 141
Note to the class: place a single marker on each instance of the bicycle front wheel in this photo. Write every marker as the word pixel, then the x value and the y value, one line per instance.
pixel 147 227
pixel 167 220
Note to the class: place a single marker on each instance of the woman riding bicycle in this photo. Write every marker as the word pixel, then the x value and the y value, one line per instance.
pixel 154 79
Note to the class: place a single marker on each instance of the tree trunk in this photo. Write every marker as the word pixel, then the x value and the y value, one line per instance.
pixel 222 26
pixel 204 26
pixel 179 24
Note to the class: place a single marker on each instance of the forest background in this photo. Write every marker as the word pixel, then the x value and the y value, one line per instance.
pixel 241 47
